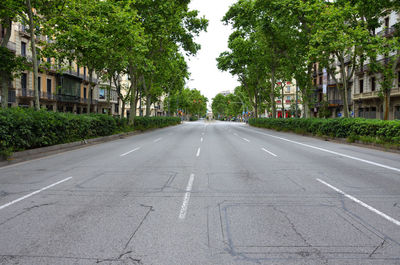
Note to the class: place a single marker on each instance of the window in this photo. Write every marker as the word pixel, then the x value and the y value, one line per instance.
pixel 289 98
pixel 386 23
pixel 373 83
pixel 320 80
pixel 397 113
pixel 48 87
pixel 84 72
pixel 39 79
pixel 372 114
pixel 23 48
pixel 361 86
pixel 48 59
pixel 361 112
pixel 77 70
pixel 116 108
pixel 23 81
pixel 102 93
pixel 84 92
pixel 288 89
pixel 398 79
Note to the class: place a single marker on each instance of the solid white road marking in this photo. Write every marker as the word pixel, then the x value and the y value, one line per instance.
pixel 387 217
pixel 157 140
pixel 265 150
pixel 247 140
pixel 127 153
pixel 332 152
pixel 198 152
pixel 33 193
pixel 186 198
pixel 201 140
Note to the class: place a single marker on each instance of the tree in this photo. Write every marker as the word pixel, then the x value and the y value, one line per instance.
pixel 339 35
pixel 387 45
pixel 9 11
pixel 219 105
pixel 168 25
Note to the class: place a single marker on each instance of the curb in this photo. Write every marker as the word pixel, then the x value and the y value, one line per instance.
pixel 373 146
pixel 36 153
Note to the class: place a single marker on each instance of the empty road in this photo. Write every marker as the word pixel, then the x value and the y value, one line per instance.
pixel 203 193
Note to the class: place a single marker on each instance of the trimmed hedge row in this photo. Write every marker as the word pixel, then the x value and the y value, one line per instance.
pixel 382 131
pixel 22 129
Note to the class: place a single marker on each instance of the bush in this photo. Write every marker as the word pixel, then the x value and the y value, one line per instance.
pixel 350 128
pixel 193 118
pixel 22 129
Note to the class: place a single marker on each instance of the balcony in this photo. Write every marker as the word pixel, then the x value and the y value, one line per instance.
pixel 388 32
pixel 25 93
pixel 12 46
pixel 338 102
pixel 347 60
pixel 331 82
pixel 366 95
pixel 48 96
pixel 68 98
pixel 23 31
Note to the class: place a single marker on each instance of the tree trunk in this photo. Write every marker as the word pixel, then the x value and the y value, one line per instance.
pixel 34 55
pixel 344 88
pixel 388 91
pixel 4 77
pixel 132 89
pixel 90 97
pixel 137 99
pixel 148 97
pixel 4 89
pixel 272 94
pixel 256 106
pixel 109 111
pixel 283 104
pixel 386 103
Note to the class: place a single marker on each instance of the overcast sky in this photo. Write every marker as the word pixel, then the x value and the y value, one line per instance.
pixel 205 76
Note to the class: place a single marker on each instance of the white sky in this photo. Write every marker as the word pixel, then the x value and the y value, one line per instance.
pixel 205 76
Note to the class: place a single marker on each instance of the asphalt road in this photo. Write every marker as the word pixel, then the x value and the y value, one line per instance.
pixel 203 193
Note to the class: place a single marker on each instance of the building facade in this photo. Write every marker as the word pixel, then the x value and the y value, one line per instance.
pixel 367 99
pixel 66 90
pixel 288 97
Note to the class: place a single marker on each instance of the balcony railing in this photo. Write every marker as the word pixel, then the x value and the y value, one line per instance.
pixel 387 32
pixel 68 98
pixel 46 95
pixel 25 93
pixel 331 82
pixel 338 102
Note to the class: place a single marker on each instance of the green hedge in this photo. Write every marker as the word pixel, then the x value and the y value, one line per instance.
pixel 22 129
pixel 354 129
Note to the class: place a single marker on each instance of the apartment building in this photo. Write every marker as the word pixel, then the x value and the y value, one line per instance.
pixel 64 91
pixel 366 90
pixel 289 100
